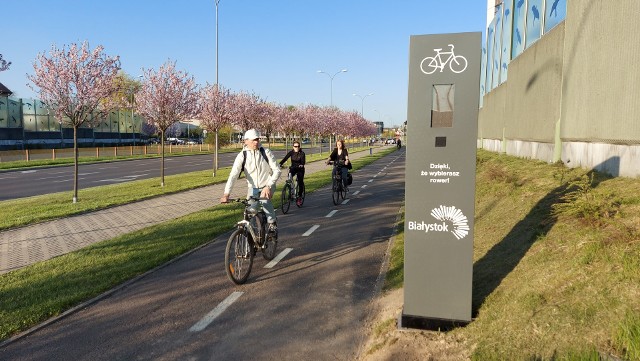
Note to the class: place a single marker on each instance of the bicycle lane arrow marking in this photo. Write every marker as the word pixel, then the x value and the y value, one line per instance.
pixel 311 230
pixel 209 317
pixel 278 258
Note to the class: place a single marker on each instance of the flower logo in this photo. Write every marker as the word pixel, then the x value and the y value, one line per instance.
pixel 455 216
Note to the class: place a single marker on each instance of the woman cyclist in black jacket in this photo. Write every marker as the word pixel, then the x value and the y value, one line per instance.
pixel 340 155
pixel 296 169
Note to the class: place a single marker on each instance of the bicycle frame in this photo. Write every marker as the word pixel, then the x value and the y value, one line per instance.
pixel 252 210
pixel 294 184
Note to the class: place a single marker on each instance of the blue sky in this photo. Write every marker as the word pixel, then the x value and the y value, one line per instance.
pixel 272 48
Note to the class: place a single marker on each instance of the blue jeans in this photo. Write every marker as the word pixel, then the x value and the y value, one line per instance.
pixel 266 205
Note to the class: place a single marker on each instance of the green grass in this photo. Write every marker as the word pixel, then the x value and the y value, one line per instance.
pixel 556 271
pixel 37 292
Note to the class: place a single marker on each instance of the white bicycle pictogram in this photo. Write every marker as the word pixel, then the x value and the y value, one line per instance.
pixel 457 63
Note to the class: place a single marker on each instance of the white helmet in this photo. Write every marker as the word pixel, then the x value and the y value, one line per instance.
pixel 251 134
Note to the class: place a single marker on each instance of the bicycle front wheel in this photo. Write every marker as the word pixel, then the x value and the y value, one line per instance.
pixel 336 191
pixel 285 199
pixel 238 256
pixel 458 64
pixel 343 191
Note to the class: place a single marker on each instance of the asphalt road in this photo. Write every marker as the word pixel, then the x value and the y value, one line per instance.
pixel 37 181
pixel 312 305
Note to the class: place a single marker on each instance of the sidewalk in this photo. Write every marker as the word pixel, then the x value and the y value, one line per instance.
pixel 27 245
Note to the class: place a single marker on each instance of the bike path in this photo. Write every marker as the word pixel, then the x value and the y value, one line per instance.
pixel 314 304
pixel 39 242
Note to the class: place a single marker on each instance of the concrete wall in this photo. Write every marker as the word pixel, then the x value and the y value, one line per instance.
pixel 602 76
pixel 575 94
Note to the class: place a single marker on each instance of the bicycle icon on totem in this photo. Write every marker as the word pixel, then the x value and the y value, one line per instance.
pixel 457 63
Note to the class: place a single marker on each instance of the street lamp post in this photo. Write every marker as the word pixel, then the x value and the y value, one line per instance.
pixel 331 77
pixel 133 103
pixel 217 3
pixel 362 102
pixel 379 116
pixel 215 156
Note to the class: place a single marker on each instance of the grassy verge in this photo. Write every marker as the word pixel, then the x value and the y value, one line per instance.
pixel 556 271
pixel 25 211
pixel 35 293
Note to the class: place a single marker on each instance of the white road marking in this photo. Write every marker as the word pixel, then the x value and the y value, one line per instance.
pixel 364 186
pixel 331 213
pixel 126 178
pixel 209 317
pixel 356 193
pixel 278 258
pixel 370 180
pixel 311 230
pixel 346 201
pixel 27 171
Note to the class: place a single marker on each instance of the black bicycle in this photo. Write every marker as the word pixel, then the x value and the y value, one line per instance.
pixel 339 191
pixel 250 236
pixel 292 191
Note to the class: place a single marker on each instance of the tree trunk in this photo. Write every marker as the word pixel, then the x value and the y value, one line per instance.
pixel 215 156
pixel 162 158
pixel 75 164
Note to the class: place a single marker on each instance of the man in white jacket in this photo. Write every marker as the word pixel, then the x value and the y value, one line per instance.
pixel 261 174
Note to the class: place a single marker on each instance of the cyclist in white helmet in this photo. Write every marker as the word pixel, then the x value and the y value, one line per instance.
pixel 261 171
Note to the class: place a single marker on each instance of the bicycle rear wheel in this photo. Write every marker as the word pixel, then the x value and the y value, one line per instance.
pixel 238 256
pixel 285 199
pixel 301 195
pixel 270 247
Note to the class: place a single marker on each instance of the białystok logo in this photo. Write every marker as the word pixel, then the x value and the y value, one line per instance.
pixel 451 217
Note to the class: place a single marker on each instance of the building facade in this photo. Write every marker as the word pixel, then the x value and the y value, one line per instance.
pixel 566 90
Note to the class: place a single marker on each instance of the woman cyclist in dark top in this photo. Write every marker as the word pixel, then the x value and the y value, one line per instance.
pixel 296 169
pixel 341 156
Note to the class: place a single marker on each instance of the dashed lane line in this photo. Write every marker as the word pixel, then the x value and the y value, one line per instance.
pixel 209 317
pixel 331 213
pixel 278 258
pixel 311 230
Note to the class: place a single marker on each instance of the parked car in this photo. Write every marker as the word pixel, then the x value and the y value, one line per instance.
pixel 390 141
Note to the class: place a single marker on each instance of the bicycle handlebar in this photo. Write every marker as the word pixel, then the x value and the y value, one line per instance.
pixel 339 163
pixel 245 200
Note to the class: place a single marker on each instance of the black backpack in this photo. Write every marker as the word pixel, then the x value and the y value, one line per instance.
pixel 244 159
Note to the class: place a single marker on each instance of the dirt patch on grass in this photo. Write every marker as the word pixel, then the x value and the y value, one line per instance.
pixel 387 342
